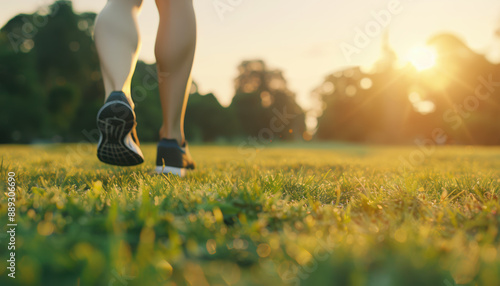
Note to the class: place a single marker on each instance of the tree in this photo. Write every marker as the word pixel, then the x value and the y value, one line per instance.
pixel 393 105
pixel 23 116
pixel 207 120
pixel 260 94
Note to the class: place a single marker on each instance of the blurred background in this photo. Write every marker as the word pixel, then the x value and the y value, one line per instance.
pixel 374 72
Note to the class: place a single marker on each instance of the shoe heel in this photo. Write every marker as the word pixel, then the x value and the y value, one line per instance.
pixel 115 121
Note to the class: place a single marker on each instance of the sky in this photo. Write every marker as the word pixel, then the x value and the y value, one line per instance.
pixel 307 39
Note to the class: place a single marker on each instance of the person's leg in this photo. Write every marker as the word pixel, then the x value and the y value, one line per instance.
pixel 175 47
pixel 117 41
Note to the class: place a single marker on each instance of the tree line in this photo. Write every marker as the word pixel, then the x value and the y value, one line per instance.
pixel 456 99
pixel 51 88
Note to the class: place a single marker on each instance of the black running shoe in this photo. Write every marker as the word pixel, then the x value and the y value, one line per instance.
pixel 118 143
pixel 173 159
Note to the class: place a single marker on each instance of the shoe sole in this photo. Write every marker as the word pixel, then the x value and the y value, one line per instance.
pixel 181 172
pixel 115 122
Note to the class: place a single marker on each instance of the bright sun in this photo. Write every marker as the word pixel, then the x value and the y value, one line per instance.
pixel 422 58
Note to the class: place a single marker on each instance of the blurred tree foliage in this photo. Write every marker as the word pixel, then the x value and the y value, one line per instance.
pixel 19 85
pixel 207 120
pixel 263 102
pixel 57 88
pixel 51 87
pixel 456 101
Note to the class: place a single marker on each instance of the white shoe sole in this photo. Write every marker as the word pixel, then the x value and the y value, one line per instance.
pixel 181 172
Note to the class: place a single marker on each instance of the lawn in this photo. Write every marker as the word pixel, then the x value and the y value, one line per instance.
pixel 318 214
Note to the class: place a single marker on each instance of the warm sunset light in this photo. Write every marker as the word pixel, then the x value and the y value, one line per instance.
pixel 250 142
pixel 422 58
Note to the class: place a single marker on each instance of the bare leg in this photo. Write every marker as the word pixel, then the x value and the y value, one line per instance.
pixel 175 47
pixel 117 41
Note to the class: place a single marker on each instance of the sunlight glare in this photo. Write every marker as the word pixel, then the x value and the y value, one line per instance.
pixel 422 58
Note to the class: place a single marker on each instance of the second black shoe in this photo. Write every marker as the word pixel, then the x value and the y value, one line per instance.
pixel 173 159
pixel 118 143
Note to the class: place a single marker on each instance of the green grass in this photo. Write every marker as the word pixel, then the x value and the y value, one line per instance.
pixel 329 215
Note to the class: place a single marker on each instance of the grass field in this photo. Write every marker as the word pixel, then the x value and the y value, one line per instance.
pixel 328 215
